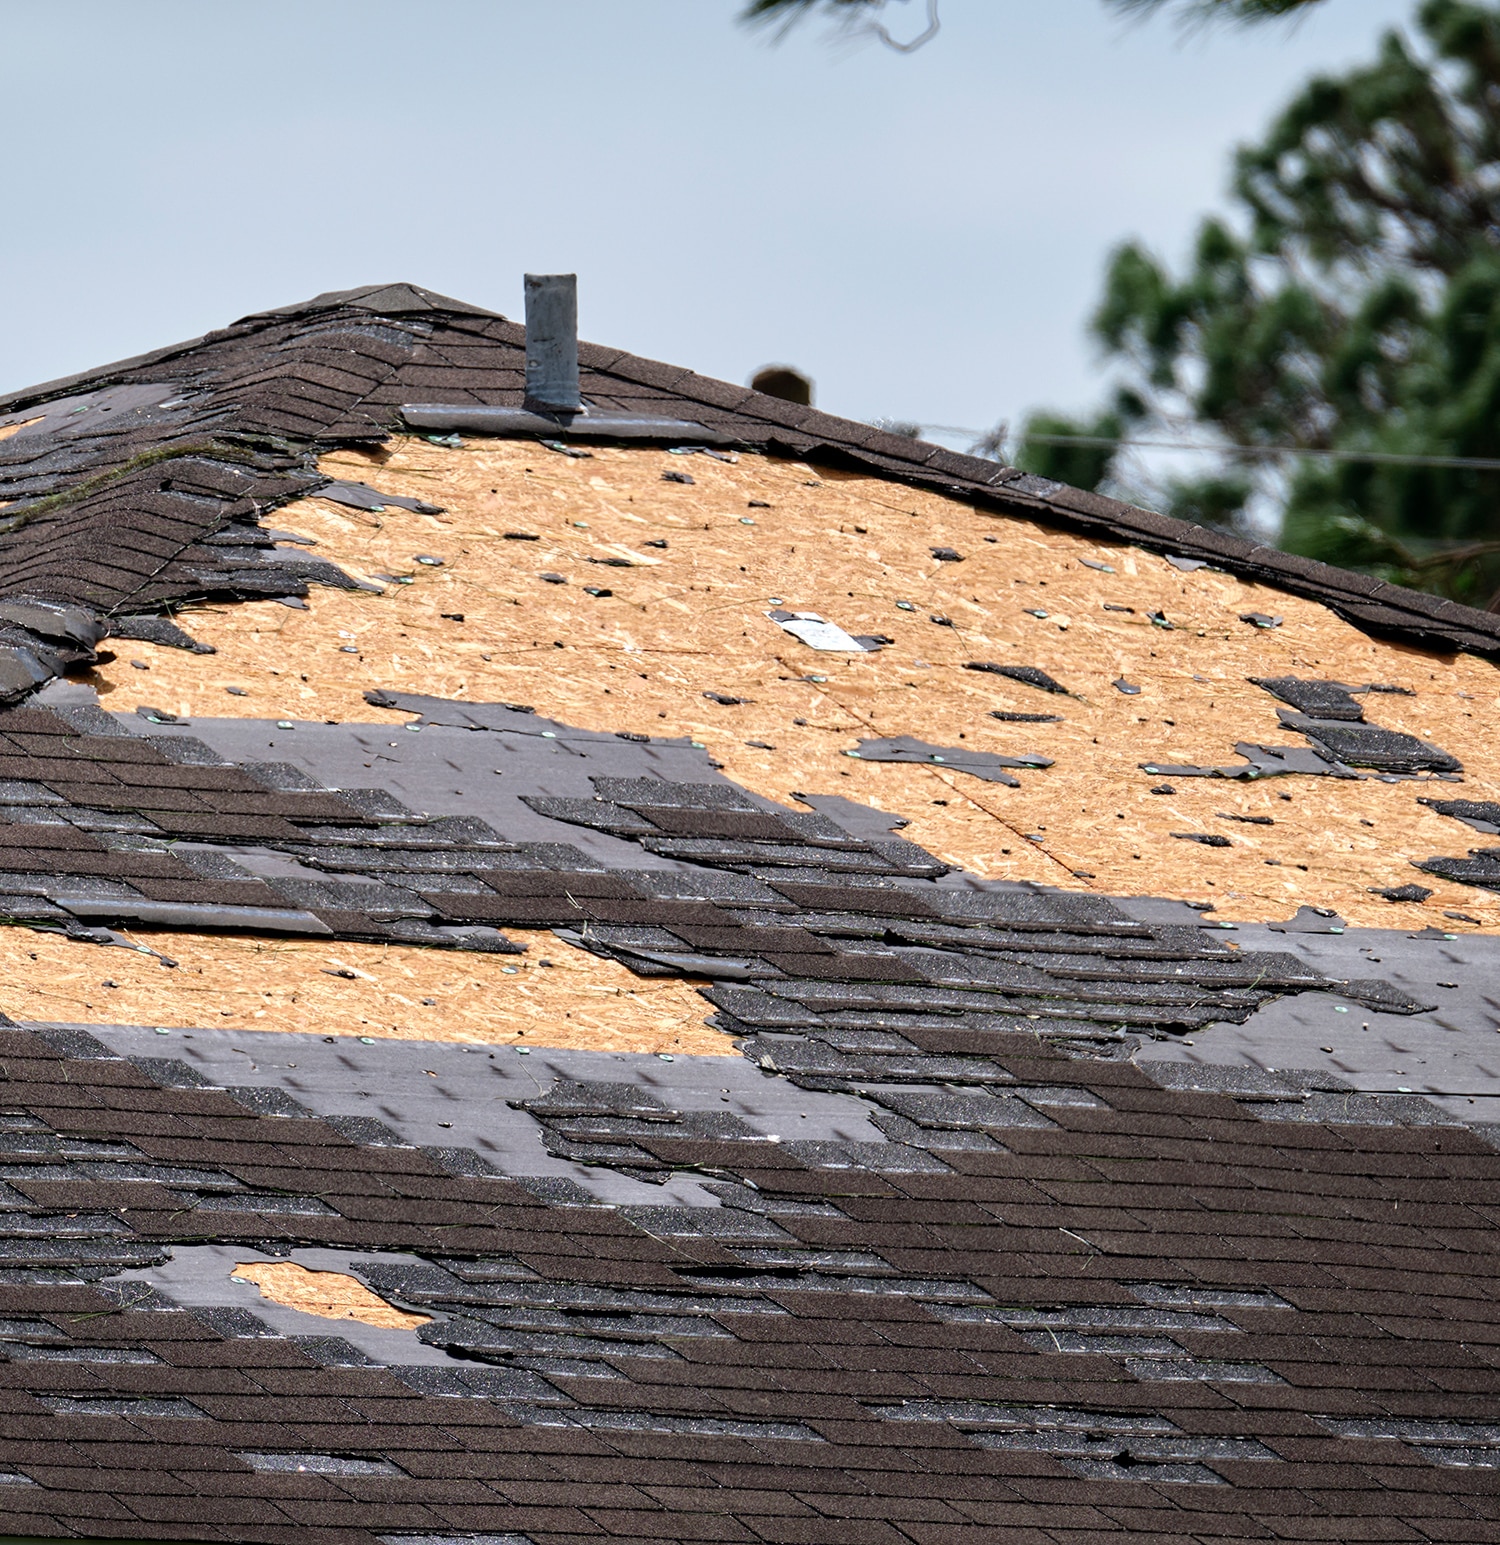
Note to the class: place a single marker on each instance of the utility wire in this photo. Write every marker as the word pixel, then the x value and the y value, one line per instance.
pixel 1392 458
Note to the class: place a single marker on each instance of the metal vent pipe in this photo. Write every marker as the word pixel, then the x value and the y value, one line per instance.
pixel 552 343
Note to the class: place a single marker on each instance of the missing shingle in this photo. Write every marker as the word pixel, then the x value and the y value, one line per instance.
pixel 1206 1296
pixel 320 1464
pixel 1449 1443
pixel 125 1356
pixel 454 1539
pixel 1101 1444
pixel 1182 1368
pixel 109 1405
pixel 1125 1466
pixel 1145 1319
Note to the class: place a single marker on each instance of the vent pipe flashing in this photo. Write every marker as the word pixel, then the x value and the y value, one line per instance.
pixel 552 343
pixel 553 405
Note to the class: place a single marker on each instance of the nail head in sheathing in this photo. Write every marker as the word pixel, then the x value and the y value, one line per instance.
pixel 552 343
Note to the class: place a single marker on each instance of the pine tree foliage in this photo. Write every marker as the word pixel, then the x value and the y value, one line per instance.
pixel 1351 306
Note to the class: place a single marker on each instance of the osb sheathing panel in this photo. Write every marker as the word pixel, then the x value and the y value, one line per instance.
pixel 329 1294
pixel 381 991
pixel 690 618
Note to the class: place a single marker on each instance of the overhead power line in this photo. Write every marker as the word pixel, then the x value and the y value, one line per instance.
pixel 1265 452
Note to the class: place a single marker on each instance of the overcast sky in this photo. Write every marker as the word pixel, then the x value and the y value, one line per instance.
pixel 924 234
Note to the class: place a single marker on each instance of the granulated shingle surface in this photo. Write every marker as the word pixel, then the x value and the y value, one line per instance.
pixel 1145 1302
pixel 1004 1225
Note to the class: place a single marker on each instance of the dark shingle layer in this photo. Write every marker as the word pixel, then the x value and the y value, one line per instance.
pixel 100 826
pixel 1060 1295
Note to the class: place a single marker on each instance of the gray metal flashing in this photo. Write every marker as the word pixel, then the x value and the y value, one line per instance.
pixel 584 425
pixel 552 343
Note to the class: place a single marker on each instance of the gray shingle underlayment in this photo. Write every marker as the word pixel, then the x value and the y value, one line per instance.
pixel 1451 1054
pixel 202 1276
pixel 442 770
pixel 443 1094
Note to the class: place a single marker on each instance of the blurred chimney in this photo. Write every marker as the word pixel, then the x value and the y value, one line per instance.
pixel 785 382
pixel 552 343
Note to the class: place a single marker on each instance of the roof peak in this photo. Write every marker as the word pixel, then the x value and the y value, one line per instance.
pixel 395 299
pixel 389 300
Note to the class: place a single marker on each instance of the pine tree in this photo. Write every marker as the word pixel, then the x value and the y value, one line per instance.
pixel 1351 308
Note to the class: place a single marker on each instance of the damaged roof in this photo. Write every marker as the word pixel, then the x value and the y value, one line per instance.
pixel 520 1029
pixel 125 486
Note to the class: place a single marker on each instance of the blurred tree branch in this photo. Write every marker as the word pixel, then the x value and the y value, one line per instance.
pixel 854 15
pixel 1198 11
pixel 861 16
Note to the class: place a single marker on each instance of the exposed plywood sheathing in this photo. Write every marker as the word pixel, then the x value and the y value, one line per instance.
pixel 257 983
pixel 691 618
pixel 329 1294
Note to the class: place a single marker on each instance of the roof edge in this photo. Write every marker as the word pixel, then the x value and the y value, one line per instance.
pixel 1429 622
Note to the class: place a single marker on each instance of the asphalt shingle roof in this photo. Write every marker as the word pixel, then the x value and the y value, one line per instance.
pixel 997 1223
pixel 121 498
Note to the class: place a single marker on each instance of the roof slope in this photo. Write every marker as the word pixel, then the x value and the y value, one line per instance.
pixel 1053 1301
pixel 117 480
pixel 972 1209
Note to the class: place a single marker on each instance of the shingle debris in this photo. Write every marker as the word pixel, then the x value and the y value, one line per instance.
pixel 360 496
pixel 1416 893
pixel 1027 675
pixel 989 765
pixel 1340 741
